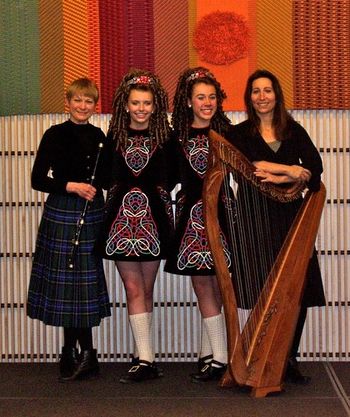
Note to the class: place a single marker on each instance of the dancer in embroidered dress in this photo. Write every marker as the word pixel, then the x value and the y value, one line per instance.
pixel 197 108
pixel 67 285
pixel 139 219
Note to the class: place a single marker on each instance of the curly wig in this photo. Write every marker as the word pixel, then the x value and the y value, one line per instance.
pixel 137 79
pixel 182 117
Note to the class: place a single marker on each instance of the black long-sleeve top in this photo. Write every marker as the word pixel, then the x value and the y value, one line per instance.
pixel 67 153
pixel 297 149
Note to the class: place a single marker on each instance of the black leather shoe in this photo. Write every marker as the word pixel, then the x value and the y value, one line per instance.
pixel 210 372
pixel 294 375
pixel 205 360
pixel 88 366
pixel 69 361
pixel 136 361
pixel 142 372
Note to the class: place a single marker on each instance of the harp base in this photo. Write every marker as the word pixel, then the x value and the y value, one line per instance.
pixel 227 382
pixel 262 392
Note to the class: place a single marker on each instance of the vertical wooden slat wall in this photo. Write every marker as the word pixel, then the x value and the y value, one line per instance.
pixel 176 317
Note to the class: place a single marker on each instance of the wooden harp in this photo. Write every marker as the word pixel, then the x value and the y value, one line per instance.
pixel 258 350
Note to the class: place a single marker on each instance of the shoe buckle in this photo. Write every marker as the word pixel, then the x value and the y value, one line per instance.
pixel 205 367
pixel 134 368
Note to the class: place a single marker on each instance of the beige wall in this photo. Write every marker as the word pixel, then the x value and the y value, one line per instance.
pixel 176 321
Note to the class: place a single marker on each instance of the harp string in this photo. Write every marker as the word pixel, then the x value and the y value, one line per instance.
pixel 266 335
pixel 252 254
pixel 254 242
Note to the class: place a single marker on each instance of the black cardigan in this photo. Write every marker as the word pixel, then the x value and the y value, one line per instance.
pixel 298 149
pixel 67 153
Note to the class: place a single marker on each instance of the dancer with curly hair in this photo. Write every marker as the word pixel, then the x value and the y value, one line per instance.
pixel 139 220
pixel 197 108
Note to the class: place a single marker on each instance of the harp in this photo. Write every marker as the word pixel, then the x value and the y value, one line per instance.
pixel 258 350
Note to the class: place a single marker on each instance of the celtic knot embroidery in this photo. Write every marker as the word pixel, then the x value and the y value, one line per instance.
pixel 196 150
pixel 138 152
pixel 134 231
pixel 194 249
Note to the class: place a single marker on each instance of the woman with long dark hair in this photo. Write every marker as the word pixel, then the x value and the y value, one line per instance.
pixel 282 152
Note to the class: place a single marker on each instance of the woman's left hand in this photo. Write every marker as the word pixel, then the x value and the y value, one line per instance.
pixel 272 178
pixel 83 190
pixel 299 173
pixel 280 173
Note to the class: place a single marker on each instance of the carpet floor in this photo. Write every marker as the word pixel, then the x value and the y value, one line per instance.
pixel 32 390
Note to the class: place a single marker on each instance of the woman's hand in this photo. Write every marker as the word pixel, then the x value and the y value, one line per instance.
pixel 83 190
pixel 279 173
pixel 272 178
pixel 299 173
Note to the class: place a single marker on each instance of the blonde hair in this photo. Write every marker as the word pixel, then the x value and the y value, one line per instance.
pixel 84 86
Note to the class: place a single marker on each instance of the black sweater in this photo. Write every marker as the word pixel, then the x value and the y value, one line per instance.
pixel 67 153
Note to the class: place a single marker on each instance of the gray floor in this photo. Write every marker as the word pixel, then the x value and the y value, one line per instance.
pixel 32 390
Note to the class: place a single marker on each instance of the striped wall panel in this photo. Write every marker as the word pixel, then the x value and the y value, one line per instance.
pixel 46 43
pixel 274 42
pixel 321 38
pixel 177 321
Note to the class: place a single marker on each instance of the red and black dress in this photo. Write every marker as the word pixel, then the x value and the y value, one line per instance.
pixel 190 254
pixel 138 214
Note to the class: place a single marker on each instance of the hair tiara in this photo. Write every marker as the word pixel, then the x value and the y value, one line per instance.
pixel 141 79
pixel 199 74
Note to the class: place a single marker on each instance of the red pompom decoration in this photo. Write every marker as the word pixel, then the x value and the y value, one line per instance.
pixel 221 38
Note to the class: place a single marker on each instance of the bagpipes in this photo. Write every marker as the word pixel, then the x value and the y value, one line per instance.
pixel 81 220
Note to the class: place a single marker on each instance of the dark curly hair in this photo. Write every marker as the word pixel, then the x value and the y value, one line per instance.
pixel 281 117
pixel 137 79
pixel 182 116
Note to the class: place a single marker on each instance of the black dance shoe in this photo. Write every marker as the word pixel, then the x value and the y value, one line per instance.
pixel 135 360
pixel 205 360
pixel 142 372
pixel 69 361
pixel 294 375
pixel 210 372
pixel 88 366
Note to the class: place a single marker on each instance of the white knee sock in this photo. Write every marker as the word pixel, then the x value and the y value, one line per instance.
pixel 150 326
pixel 216 332
pixel 141 331
pixel 206 349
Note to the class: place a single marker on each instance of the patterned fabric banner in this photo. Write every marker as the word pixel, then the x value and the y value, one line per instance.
pixel 45 44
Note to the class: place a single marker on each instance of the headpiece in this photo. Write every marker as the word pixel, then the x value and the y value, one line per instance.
pixel 141 79
pixel 199 74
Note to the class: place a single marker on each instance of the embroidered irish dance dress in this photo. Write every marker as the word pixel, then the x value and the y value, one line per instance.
pixel 190 254
pixel 138 216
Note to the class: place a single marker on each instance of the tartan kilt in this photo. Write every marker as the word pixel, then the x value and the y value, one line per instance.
pixel 58 295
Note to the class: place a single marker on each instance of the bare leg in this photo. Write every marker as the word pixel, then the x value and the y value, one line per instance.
pixel 138 279
pixel 149 272
pixel 206 289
